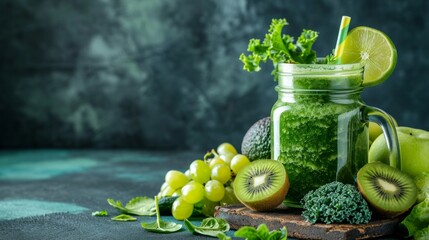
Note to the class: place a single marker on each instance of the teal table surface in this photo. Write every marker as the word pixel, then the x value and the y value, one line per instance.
pixel 50 194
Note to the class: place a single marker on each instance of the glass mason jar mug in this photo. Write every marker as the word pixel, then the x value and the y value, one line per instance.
pixel 319 125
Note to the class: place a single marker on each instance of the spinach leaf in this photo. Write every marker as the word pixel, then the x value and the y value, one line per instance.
pixel 102 213
pixel 209 226
pixel 124 218
pixel 261 233
pixel 141 206
pixel 160 226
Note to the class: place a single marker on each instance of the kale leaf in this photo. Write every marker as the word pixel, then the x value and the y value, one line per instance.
pixel 336 203
pixel 281 48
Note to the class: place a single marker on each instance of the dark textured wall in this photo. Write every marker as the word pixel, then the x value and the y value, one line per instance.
pixel 165 73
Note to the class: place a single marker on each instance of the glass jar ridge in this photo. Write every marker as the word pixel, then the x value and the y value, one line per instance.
pixel 321 77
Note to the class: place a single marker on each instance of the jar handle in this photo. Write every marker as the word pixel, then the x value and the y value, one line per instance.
pixel 386 123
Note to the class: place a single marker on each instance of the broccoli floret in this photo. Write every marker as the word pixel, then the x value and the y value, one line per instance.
pixel 335 203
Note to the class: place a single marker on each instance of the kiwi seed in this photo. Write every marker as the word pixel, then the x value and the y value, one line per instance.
pixel 388 190
pixel 262 185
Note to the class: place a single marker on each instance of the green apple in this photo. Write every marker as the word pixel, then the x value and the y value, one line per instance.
pixel 374 130
pixel 422 183
pixel 414 147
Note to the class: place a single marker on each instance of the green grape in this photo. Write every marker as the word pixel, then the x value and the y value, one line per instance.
pixel 176 179
pixel 200 171
pixel 226 148
pixel 188 174
pixel 163 186
pixel 168 191
pixel 177 193
pixel 181 209
pixel 214 190
pixel 227 157
pixel 193 192
pixel 214 161
pixel 221 172
pixel 238 162
pixel 229 197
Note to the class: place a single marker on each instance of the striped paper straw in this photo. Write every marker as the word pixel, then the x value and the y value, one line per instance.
pixel 342 34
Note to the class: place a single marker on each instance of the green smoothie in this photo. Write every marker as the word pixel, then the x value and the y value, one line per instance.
pixel 319 125
pixel 317 132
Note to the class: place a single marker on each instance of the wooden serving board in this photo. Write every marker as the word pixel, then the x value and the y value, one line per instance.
pixel 297 227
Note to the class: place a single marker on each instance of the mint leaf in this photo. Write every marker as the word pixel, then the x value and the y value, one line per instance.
pixel 124 218
pixel 209 227
pixel 102 213
pixel 141 206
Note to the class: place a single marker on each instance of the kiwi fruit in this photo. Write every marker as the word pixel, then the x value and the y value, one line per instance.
pixel 262 185
pixel 389 191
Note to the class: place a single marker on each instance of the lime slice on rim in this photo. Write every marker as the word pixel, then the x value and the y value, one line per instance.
pixel 374 49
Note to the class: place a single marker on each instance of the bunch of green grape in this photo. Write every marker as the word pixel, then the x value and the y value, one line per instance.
pixel 207 183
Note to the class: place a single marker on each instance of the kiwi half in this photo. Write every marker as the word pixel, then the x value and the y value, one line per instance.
pixel 262 185
pixel 388 190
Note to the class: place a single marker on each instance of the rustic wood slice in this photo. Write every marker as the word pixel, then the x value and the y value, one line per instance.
pixel 297 227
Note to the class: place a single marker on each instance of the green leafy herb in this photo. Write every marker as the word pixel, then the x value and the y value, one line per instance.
pixel 418 219
pixel 422 234
pixel 281 48
pixel 160 226
pixel 141 206
pixel 261 233
pixel 223 236
pixel 209 227
pixel 102 213
pixel 124 218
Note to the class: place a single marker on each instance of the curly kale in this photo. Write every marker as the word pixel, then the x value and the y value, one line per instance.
pixel 335 203
pixel 281 48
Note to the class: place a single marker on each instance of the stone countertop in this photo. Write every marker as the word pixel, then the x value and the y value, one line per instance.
pixel 50 194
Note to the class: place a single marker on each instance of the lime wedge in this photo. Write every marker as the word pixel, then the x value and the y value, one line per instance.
pixel 374 49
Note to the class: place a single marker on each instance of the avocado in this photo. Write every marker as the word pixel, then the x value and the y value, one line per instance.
pixel 257 140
